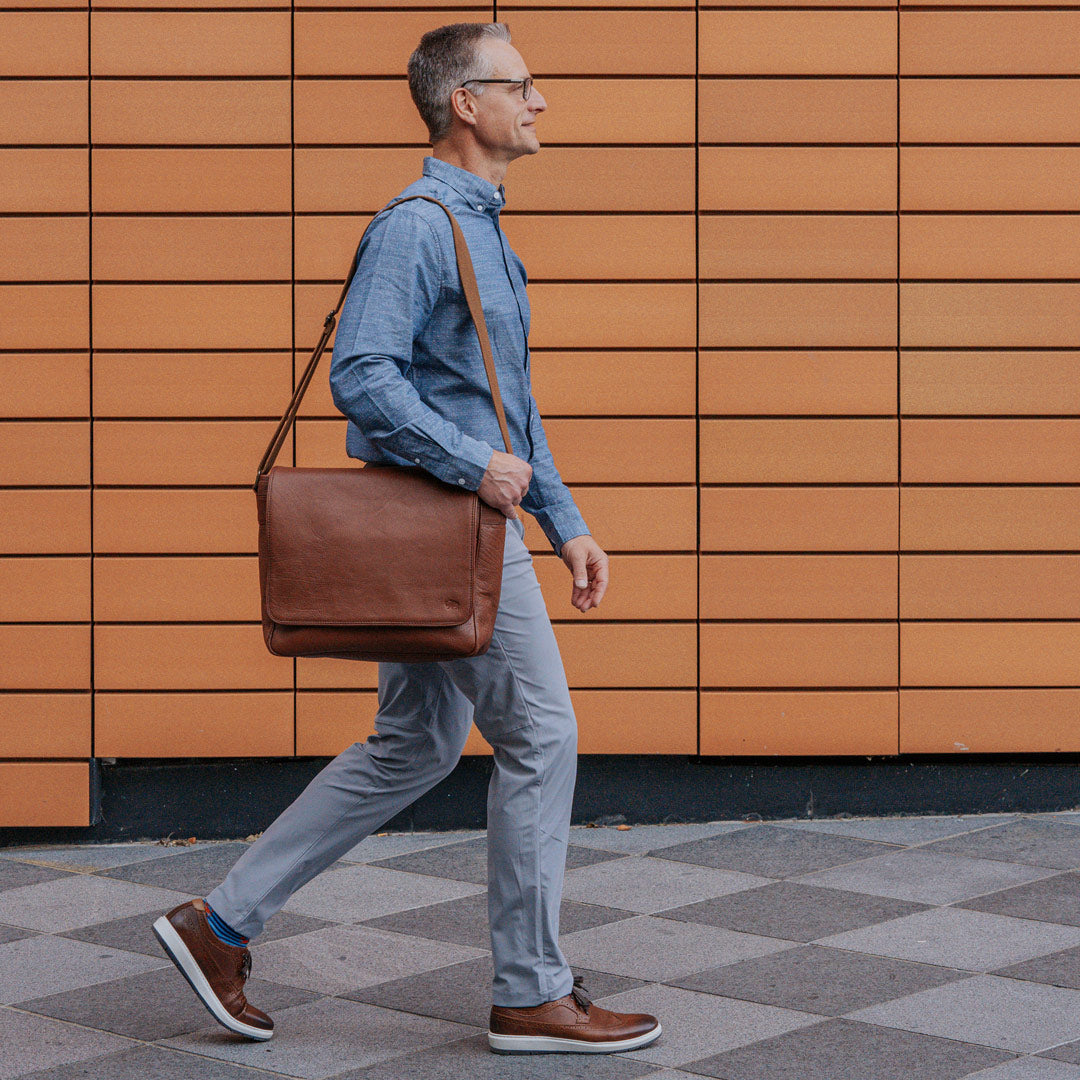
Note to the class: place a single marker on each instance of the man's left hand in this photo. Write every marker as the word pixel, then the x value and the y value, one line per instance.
pixel 588 563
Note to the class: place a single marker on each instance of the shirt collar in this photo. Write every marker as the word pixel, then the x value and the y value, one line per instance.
pixel 481 194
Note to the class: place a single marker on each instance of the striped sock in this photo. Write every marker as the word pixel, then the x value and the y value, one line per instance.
pixel 222 929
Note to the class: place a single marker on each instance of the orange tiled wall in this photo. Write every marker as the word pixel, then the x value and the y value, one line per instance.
pixel 805 321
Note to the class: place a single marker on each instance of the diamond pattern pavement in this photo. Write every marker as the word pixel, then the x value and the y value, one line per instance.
pixel 902 948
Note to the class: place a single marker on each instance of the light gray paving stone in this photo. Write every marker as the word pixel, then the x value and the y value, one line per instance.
pixel 43 964
pixel 1029 1068
pixel 641 838
pixel 815 979
pixel 378 846
pixel 35 1042
pixel 91 856
pixel 1007 1014
pixel 846 1050
pixel 698 1024
pixel 925 876
pixel 643 884
pixel 80 900
pixel 900 830
pixel 645 947
pixel 955 937
pixel 1028 840
pixel 773 851
pixel 342 958
pixel 326 1037
pixel 472 1059
pixel 360 891
pixel 150 1063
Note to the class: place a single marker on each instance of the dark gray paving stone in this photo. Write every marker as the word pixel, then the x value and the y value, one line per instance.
pixel 154 1005
pixel 465 921
pixel 462 992
pixel 13 874
pixel 797 912
pixel 467 861
pixel 133 932
pixel 1069 1052
pixel 773 851
pixel 848 1050
pixel 1050 899
pixel 1056 968
pixel 1029 840
pixel 473 1058
pixel 816 979
pixel 196 872
pixel 13 933
pixel 147 1063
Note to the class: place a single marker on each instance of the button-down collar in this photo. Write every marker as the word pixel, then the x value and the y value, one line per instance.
pixel 479 193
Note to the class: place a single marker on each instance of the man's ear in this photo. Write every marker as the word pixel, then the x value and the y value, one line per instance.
pixel 463 106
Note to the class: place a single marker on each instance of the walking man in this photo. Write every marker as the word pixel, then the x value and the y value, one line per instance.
pixel 408 373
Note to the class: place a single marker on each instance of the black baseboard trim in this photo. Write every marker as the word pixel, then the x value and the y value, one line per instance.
pixel 215 799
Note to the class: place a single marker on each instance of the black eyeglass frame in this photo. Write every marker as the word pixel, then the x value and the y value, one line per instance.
pixel 526 84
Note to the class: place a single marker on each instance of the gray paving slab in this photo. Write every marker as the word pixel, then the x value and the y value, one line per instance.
pixel 955 937
pixel 150 1063
pixel 695 1025
pixel 900 830
pixel 326 1037
pixel 15 874
pixel 646 884
pixel 462 992
pixel 467 861
pixel 43 964
pixel 384 845
pixel 924 876
pixel 196 871
pixel 13 933
pixel 1056 968
pixel 34 1042
pixel 91 856
pixel 471 1058
pixel 773 851
pixel 789 909
pixel 1028 840
pixel 133 932
pixel 1008 1014
pixel 1029 1068
pixel 816 979
pixel 1067 1052
pixel 1050 899
pixel 361 891
pixel 645 947
pixel 638 839
pixel 847 1050
pixel 342 958
pixel 465 920
pixel 80 900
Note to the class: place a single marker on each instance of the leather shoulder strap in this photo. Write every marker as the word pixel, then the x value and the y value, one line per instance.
pixel 472 297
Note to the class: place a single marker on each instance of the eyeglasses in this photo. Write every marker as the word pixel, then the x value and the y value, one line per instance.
pixel 526 84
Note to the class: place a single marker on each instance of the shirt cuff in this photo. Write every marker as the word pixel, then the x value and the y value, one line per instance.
pixel 561 523
pixel 466 468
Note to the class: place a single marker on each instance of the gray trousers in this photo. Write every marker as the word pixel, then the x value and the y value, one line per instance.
pixel 517 694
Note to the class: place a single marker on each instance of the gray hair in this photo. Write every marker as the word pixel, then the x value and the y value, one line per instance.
pixel 445 58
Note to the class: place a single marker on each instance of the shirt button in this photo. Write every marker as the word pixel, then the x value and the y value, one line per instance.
pixel 417 460
pixel 461 479
pixel 480 207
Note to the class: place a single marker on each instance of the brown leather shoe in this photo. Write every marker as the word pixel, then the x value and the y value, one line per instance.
pixel 216 971
pixel 568 1025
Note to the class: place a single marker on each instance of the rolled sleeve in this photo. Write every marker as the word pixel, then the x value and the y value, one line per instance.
pixel 548 499
pixel 390 299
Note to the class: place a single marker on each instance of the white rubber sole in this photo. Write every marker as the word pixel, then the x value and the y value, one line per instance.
pixel 532 1044
pixel 180 955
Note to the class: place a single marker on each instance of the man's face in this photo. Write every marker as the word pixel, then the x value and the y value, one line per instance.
pixel 505 124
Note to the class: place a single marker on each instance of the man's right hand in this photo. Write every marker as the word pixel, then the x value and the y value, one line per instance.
pixel 505 482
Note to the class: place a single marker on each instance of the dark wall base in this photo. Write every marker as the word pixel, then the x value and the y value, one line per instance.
pixel 232 798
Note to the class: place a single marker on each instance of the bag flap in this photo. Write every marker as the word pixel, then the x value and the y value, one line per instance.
pixel 391 546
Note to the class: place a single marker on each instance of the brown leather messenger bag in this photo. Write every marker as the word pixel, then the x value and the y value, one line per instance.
pixel 387 563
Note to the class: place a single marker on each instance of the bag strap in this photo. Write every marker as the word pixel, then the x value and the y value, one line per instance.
pixel 472 297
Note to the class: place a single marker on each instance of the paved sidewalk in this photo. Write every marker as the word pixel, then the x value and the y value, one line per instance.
pixel 904 948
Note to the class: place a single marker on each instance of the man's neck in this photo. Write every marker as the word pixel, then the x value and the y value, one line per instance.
pixel 492 171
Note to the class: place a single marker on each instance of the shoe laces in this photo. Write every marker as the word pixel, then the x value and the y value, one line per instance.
pixel 245 965
pixel 578 991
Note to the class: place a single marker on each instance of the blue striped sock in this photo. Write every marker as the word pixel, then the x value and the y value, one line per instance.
pixel 222 929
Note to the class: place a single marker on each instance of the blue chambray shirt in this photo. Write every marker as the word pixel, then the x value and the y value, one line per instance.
pixel 406 368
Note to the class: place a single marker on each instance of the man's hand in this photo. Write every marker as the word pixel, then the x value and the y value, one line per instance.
pixel 589 564
pixel 505 482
